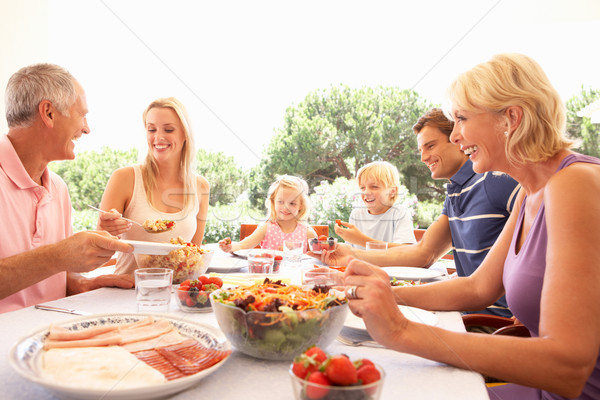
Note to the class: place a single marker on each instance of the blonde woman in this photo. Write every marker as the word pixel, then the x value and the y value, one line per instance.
pixel 288 208
pixel 509 118
pixel 163 187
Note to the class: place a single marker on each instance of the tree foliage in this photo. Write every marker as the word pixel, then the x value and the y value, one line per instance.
pixel 334 132
pixel 581 128
pixel 87 175
pixel 225 177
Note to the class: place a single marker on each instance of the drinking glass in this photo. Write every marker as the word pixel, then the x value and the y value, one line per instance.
pixel 376 245
pixel 153 289
pixel 292 252
pixel 260 261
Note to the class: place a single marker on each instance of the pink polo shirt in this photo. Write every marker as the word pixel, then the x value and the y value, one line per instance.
pixel 32 216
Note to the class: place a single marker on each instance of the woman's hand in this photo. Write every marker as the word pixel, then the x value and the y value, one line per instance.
pixel 225 245
pixel 112 223
pixel 342 255
pixel 375 302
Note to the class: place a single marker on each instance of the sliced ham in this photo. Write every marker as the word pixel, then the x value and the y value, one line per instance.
pixel 60 333
pixel 189 357
pixel 141 333
pixel 170 338
pixel 109 340
pixel 157 343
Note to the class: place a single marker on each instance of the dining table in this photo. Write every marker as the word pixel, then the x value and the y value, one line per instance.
pixel 241 376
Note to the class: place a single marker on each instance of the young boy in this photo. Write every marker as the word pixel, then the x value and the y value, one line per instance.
pixel 381 219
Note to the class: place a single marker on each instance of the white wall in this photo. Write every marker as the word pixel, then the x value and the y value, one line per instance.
pixel 23 40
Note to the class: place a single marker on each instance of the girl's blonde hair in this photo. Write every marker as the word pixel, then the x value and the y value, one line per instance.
pixel 516 80
pixel 288 182
pixel 150 167
pixel 383 173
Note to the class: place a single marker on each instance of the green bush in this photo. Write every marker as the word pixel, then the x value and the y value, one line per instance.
pixel 84 220
pixel 427 212
pixel 225 220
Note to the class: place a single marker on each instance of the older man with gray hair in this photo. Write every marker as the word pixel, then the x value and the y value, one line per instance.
pixel 40 257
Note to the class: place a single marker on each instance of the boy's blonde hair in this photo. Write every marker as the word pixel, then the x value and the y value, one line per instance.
pixel 382 172
pixel 289 182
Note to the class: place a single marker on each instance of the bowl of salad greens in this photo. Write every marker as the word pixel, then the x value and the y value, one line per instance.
pixel 275 321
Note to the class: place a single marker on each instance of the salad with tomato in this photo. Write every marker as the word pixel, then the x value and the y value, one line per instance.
pixel 275 321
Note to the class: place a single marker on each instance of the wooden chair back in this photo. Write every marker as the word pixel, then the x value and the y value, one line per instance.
pixel 247 229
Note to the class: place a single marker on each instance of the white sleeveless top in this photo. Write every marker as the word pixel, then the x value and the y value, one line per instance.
pixel 139 209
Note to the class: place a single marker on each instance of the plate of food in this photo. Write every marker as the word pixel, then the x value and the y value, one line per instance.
pixel 120 356
pixel 412 273
pixel 152 248
pixel 226 263
pixel 411 313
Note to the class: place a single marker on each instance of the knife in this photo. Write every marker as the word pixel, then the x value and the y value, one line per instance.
pixel 60 309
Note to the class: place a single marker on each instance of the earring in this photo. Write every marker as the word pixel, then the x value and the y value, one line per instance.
pixel 505 133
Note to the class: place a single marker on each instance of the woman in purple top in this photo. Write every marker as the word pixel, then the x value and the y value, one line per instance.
pixel 509 118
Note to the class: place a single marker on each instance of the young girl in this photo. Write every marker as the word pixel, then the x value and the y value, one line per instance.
pixel 381 219
pixel 287 204
pixel 163 187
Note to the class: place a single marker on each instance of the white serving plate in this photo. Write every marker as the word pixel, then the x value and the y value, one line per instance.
pixel 152 248
pixel 226 263
pixel 411 313
pixel 412 273
pixel 25 358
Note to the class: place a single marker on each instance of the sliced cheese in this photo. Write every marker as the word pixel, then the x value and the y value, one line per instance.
pixel 98 368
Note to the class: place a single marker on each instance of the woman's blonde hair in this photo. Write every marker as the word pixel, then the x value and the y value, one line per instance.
pixel 383 173
pixel 288 182
pixel 150 167
pixel 516 80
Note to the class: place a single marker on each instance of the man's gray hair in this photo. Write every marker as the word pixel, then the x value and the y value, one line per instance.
pixel 31 85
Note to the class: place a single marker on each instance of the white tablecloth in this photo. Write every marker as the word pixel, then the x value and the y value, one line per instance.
pixel 245 377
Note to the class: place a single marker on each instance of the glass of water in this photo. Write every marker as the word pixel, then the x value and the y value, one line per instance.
pixel 292 252
pixel 153 289
pixel 376 245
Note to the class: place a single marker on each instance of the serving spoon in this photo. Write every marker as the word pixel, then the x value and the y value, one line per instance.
pixel 132 221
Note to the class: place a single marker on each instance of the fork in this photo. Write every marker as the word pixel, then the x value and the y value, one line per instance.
pixel 355 343
pixel 126 219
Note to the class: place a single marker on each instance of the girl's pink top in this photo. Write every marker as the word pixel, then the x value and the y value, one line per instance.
pixel 274 237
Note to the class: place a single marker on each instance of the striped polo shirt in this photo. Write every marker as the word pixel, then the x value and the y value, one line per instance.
pixel 477 207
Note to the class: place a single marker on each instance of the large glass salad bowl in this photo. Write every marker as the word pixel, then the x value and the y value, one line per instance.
pixel 282 332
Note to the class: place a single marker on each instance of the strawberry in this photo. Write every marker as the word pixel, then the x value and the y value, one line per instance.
pixel 203 279
pixel 302 367
pixel 316 354
pixel 362 362
pixel 308 362
pixel 314 392
pixel 322 237
pixel 338 222
pixel 341 371
pixel 368 374
pixel 215 280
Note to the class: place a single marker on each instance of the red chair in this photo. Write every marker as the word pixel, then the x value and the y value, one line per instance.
pixel 419 234
pixel 247 229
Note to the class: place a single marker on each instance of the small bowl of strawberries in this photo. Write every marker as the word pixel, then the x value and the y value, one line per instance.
pixel 317 245
pixel 316 375
pixel 193 294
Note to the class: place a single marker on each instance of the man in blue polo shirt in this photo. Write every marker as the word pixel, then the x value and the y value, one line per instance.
pixel 475 210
